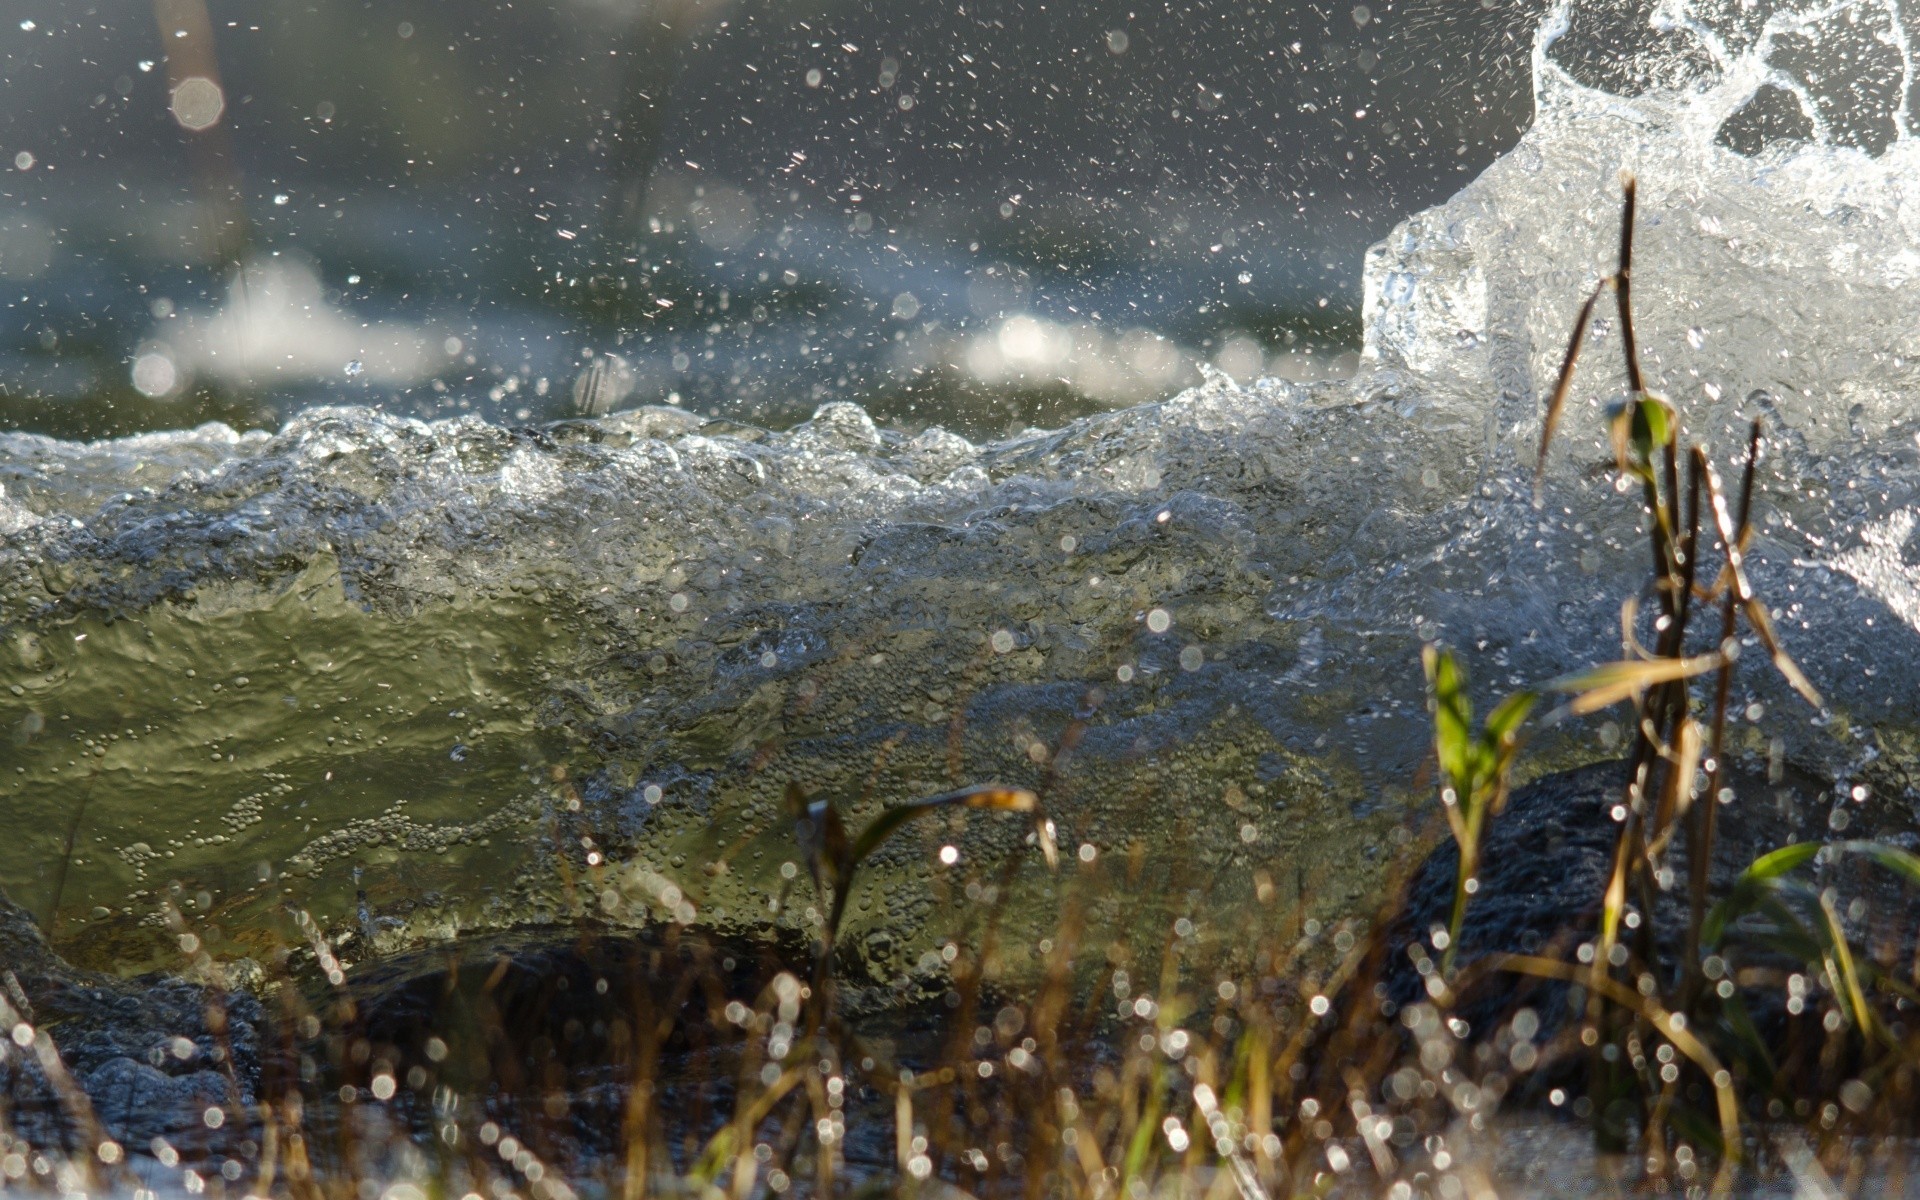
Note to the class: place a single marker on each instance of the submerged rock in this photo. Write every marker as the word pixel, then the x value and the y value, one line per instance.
pixel 137 1059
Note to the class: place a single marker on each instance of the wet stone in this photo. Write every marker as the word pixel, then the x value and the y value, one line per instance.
pixel 150 1055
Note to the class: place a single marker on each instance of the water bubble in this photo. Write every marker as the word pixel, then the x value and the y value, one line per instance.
pixel 281 198
pixel 28 26
pixel 1696 337
pixel 23 161
pixel 1245 278
pixel 354 367
pixel 607 380
pixel 1117 41
pixel 154 374
pixel 1159 620
pixel 197 103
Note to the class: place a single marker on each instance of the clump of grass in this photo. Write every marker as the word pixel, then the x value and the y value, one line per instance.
pixel 1674 1058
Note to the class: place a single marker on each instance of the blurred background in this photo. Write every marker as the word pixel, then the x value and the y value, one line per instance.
pixel 985 214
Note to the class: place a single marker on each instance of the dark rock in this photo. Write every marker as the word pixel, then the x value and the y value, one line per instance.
pixel 1545 862
pixel 1544 866
pixel 150 1055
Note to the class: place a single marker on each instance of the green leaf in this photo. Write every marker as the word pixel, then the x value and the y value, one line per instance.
pixel 1452 718
pixel 889 821
pixel 1900 862
pixel 1750 889
pixel 1775 863
pixel 1504 721
pixel 1652 425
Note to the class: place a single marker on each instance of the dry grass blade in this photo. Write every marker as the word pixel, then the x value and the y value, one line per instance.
pixel 1732 540
pixel 1782 662
pixel 1677 795
pixel 1002 799
pixel 725 1145
pixel 1842 969
pixel 1564 386
pixel 1610 683
pixel 1672 1028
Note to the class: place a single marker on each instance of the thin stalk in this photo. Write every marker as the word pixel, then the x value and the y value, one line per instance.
pixel 1676 697
pixel 51 921
pixel 1700 851
pixel 1624 284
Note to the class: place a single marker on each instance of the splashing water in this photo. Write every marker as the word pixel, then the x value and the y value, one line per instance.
pixel 532 674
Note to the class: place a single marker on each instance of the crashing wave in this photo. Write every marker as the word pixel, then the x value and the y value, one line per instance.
pixel 421 677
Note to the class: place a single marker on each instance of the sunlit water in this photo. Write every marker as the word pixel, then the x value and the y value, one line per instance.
pixel 420 679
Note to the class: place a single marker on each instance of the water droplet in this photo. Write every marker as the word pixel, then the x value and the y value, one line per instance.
pixel 197 103
pixel 1246 277
pixel 28 25
pixel 1696 337
pixel 354 368
pixel 281 199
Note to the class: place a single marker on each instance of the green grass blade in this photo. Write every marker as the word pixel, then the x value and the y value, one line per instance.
pixel 1505 720
pixel 1775 863
pixel 1900 862
pixel 1750 889
pixel 1452 718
